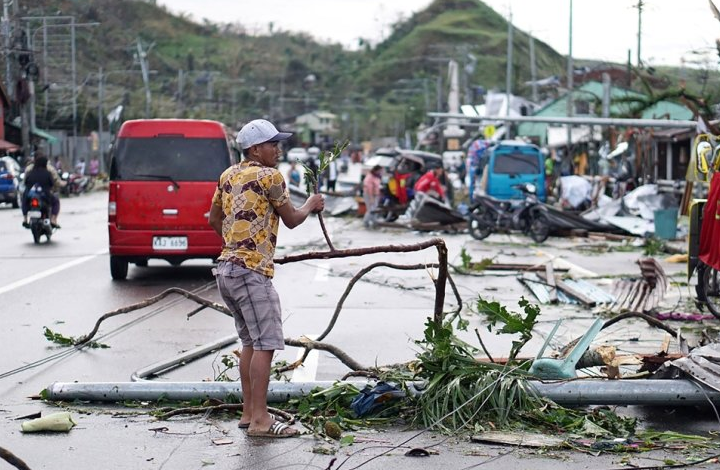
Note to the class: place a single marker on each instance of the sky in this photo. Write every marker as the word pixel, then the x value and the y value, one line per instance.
pixel 673 32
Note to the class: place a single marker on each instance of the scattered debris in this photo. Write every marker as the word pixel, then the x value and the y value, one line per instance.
pixel 643 294
pixel 417 452
pixel 567 291
pixel 223 441
pixel 57 422
pixel 521 439
pixel 564 368
pixel 701 364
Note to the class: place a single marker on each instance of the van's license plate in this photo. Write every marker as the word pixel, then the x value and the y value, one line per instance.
pixel 170 243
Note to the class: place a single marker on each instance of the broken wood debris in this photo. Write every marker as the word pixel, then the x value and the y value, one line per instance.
pixel 641 294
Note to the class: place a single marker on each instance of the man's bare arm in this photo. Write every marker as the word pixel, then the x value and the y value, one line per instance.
pixel 216 218
pixel 292 216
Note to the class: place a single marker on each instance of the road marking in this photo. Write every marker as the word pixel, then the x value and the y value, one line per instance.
pixel 308 371
pixel 49 272
pixel 323 272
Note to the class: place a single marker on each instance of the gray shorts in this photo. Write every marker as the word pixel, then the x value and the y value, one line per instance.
pixel 255 306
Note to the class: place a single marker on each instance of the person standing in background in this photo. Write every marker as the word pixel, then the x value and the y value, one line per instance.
pixel 332 175
pixel 293 175
pixel 80 167
pixel 371 195
pixel 94 167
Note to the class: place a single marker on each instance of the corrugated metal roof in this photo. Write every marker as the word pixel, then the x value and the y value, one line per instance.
pixel 541 290
pixel 593 91
pixel 590 290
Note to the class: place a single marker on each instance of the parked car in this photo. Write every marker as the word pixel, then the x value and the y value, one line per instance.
pixel 9 181
pixel 513 163
pixel 297 154
pixel 163 174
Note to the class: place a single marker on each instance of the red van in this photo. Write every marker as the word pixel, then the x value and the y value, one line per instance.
pixel 163 173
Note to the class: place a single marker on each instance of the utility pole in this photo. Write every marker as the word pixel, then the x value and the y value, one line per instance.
pixel 508 77
pixel 180 92
pixel 640 6
pixel 533 70
pixel 101 99
pixel 74 88
pixel 6 31
pixel 570 68
pixel 142 58
pixel 57 55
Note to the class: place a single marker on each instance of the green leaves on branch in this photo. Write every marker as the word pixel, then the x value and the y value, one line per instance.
pixel 62 340
pixel 469 265
pixel 312 175
pixel 512 323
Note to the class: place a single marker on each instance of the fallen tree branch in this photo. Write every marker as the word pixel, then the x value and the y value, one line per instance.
pixel 440 283
pixel 439 243
pixel 194 410
pixel 351 284
pixel 12 459
pixel 334 350
pixel 651 320
pixel 148 302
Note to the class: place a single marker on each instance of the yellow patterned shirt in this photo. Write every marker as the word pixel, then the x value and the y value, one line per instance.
pixel 248 194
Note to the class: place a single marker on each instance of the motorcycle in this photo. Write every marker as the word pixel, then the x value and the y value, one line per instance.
pixel 527 215
pixel 39 214
pixel 76 184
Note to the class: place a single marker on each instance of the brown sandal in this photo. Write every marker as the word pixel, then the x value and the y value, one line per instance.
pixel 277 430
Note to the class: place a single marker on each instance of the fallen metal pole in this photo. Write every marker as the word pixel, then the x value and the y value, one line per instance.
pixel 187 356
pixel 671 392
pixel 278 392
pixel 674 392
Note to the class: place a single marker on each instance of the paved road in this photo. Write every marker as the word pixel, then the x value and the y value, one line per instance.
pixel 66 286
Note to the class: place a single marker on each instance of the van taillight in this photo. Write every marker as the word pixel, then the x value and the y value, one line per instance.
pixel 112 205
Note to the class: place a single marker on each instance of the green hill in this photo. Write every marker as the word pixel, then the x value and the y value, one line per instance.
pixel 220 71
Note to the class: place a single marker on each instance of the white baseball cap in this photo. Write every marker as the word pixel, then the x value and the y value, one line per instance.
pixel 259 131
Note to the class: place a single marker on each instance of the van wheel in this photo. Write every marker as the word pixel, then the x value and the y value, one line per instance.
pixel 118 268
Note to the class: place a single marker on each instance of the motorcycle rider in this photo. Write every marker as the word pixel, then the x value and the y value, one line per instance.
pixel 38 173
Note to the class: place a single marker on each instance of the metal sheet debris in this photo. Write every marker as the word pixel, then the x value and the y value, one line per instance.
pixel 701 364
pixel 569 291
pixel 641 294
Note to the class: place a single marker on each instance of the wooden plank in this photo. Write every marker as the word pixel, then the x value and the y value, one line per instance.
pixel 687 197
pixel 610 236
pixel 550 279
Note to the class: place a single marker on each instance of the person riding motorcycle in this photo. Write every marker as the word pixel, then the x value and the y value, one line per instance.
pixel 38 173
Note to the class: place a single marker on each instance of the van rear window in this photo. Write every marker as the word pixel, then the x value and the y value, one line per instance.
pixel 516 163
pixel 177 158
